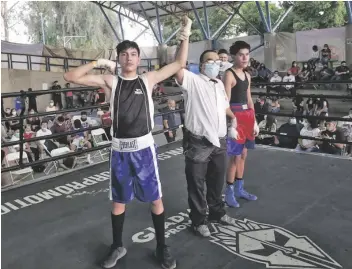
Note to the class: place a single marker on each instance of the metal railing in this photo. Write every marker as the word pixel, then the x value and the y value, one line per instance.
pixel 36 62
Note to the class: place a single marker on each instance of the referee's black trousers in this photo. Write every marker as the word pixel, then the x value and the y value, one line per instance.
pixel 205 174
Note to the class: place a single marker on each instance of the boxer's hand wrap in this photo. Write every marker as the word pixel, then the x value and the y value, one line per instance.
pixel 185 30
pixel 232 131
pixel 104 63
pixel 256 128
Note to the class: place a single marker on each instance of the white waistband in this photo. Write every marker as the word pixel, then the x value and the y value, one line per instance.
pixel 132 144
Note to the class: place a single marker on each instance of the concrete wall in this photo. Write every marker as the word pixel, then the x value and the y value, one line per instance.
pixel 14 80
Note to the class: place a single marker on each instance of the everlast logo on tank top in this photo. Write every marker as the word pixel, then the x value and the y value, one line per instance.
pixel 128 145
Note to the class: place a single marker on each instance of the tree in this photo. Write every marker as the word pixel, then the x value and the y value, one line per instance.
pixel 73 18
pixel 8 13
pixel 318 15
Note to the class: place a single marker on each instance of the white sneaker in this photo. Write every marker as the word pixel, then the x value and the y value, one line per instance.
pixel 202 230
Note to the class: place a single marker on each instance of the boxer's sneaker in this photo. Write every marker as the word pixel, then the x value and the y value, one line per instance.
pixel 241 193
pixel 164 257
pixel 202 230
pixel 230 199
pixel 114 256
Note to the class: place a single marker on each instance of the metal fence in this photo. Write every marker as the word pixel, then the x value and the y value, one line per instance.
pixel 59 64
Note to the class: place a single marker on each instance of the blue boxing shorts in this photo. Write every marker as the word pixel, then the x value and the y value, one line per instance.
pixel 245 128
pixel 134 170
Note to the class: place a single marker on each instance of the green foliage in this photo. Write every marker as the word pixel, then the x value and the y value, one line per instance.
pixel 307 16
pixel 74 18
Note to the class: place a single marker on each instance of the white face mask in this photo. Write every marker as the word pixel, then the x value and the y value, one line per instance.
pixel 51 104
pixel 14 113
pixel 293 121
pixel 211 70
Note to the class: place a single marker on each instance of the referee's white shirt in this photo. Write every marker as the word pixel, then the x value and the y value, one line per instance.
pixel 205 106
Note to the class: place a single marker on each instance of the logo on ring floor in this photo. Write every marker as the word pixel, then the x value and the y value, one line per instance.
pixel 273 246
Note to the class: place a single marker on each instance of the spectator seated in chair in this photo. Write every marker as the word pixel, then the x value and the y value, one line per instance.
pixel 269 125
pixel 311 129
pixel 333 133
pixel 80 140
pixel 290 130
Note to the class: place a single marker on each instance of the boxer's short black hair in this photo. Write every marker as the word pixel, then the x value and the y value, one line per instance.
pixel 237 46
pixel 124 45
pixel 222 51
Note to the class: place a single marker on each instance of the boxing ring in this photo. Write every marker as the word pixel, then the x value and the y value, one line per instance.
pixel 302 218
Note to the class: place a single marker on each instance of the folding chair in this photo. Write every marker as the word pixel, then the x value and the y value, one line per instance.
pixel 97 137
pixel 15 157
pixel 55 164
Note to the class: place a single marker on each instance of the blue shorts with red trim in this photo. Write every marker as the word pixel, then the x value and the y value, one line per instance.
pixel 245 129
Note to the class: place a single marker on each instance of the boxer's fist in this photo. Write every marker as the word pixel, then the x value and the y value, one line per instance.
pixel 185 31
pixel 232 131
pixel 256 128
pixel 104 63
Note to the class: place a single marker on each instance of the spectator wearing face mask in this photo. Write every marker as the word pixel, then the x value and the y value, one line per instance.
pixel 50 108
pixel 263 73
pixel 225 64
pixel 325 54
pixel 290 132
pixel 305 73
pixel 32 101
pixel 295 69
pixel 261 107
pixel 33 121
pixel 59 127
pixel 14 124
pixel 311 129
pixel 276 88
pixel 169 121
pixel 289 78
pixel 42 144
pixel 333 133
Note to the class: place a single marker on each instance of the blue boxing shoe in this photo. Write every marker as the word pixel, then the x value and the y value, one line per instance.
pixel 241 193
pixel 230 199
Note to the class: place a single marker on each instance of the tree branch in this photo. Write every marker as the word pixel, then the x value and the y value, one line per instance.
pixel 9 10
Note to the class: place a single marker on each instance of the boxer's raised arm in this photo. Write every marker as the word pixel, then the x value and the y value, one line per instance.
pixel 181 58
pixel 79 76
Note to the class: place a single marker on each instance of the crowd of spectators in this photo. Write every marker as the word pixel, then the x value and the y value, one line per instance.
pixel 57 123
pixel 35 126
pixel 340 131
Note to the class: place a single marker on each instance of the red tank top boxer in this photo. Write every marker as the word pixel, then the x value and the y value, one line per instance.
pixel 244 115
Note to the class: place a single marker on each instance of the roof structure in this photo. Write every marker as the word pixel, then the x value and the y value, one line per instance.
pixel 148 14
